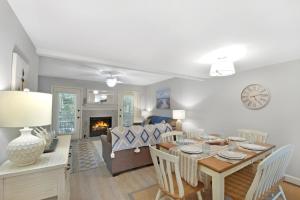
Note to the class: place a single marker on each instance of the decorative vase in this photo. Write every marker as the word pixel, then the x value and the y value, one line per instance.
pixel 25 149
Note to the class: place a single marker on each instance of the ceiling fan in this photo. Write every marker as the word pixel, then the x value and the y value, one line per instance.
pixel 112 77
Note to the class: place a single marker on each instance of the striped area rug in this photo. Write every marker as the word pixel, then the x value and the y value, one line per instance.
pixel 85 155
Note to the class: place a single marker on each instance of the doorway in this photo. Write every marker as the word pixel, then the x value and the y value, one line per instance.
pixel 67 111
pixel 129 109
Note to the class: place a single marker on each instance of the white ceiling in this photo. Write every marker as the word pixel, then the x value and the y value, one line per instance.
pixel 95 72
pixel 165 36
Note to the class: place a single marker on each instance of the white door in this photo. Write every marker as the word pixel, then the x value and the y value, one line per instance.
pixel 67 111
pixel 129 109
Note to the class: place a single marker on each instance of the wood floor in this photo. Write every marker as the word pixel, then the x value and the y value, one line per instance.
pixel 98 184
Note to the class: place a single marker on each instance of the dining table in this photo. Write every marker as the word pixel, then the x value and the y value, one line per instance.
pixel 219 168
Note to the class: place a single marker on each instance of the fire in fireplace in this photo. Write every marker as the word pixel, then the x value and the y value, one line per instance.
pixel 99 125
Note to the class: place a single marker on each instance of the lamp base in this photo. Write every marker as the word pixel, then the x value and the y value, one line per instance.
pixel 178 125
pixel 25 149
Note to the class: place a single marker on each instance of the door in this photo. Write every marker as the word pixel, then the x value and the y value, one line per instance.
pixel 67 111
pixel 129 109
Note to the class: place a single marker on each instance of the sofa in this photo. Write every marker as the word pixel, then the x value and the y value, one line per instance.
pixel 118 161
pixel 158 119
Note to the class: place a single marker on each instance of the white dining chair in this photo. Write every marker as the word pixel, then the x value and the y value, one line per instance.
pixel 169 178
pixel 254 136
pixel 171 136
pixel 194 133
pixel 247 185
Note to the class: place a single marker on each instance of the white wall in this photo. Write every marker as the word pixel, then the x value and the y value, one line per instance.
pixel 215 105
pixel 13 37
pixel 46 84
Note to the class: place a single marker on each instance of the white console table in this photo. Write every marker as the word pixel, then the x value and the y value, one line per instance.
pixel 48 177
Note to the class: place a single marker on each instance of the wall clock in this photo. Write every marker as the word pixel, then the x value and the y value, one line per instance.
pixel 255 96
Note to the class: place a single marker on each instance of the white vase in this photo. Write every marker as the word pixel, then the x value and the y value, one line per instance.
pixel 25 149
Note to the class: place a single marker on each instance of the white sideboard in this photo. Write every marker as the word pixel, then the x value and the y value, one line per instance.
pixel 48 177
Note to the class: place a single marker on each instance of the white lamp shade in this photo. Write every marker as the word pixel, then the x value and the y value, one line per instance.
pixel 222 68
pixel 145 113
pixel 178 114
pixel 25 109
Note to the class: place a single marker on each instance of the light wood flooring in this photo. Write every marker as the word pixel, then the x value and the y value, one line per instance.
pixel 98 184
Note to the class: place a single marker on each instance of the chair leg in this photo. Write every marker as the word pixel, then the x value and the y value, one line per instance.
pixel 282 192
pixel 158 195
pixel 199 196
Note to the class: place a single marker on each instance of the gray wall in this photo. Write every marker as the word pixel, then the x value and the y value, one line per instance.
pixel 13 38
pixel 215 105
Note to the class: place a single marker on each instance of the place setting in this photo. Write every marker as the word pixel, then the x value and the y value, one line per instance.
pixel 230 156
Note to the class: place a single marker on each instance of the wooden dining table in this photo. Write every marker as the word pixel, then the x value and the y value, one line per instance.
pixel 218 169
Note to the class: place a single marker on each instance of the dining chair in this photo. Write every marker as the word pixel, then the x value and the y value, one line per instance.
pixel 249 185
pixel 169 178
pixel 253 135
pixel 171 136
pixel 194 133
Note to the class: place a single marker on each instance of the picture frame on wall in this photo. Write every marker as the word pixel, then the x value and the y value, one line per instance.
pixel 163 98
pixel 20 73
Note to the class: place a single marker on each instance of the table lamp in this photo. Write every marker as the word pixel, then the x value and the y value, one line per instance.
pixel 179 115
pixel 25 109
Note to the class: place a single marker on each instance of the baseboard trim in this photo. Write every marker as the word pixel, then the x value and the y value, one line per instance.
pixel 292 179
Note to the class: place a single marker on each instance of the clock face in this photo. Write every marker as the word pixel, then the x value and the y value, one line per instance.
pixel 255 96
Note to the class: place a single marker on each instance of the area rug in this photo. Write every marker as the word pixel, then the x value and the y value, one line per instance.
pixel 85 155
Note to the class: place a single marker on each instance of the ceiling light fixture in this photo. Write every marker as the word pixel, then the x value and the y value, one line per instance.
pixel 232 53
pixel 111 81
pixel 222 67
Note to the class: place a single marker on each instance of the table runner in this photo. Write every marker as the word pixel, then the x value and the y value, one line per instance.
pixel 188 163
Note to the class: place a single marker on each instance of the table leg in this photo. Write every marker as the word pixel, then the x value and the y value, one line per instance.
pixel 218 186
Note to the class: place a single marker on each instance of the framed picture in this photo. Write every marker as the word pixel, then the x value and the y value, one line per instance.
pixel 20 72
pixel 163 99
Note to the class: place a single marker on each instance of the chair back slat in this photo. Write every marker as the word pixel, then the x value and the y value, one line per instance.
pixel 170 177
pixel 163 173
pixel 169 136
pixel 269 172
pixel 194 133
pixel 253 135
pixel 163 164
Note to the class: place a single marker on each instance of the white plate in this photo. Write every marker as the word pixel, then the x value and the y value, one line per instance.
pixel 254 147
pixel 232 155
pixel 238 139
pixel 189 141
pixel 209 137
pixel 191 149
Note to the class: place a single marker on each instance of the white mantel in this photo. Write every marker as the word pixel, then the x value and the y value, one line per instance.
pixel 89 112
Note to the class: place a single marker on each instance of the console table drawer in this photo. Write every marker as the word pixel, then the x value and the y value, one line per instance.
pixel 32 186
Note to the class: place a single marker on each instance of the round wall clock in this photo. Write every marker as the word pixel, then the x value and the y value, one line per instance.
pixel 255 96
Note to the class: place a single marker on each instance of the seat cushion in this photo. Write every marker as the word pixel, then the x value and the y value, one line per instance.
pixel 238 183
pixel 188 189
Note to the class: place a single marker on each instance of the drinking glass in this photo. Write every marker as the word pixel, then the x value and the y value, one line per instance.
pixel 232 146
pixel 205 148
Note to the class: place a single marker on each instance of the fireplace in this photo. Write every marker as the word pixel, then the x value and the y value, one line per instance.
pixel 99 125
